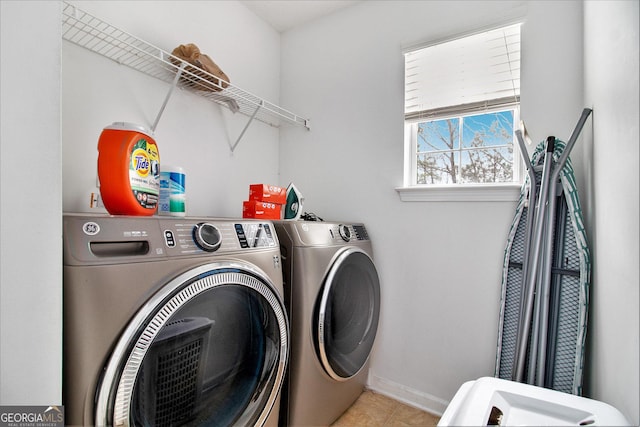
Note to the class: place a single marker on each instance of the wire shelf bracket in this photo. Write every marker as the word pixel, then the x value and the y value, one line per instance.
pixel 89 32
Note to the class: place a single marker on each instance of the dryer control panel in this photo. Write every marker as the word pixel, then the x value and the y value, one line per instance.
pixel 348 232
pixel 319 233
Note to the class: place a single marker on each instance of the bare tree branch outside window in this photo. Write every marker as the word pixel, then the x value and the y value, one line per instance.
pixel 470 149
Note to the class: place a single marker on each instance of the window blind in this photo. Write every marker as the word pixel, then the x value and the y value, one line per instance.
pixel 468 74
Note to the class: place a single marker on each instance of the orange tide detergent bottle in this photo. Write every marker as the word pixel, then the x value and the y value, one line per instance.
pixel 128 170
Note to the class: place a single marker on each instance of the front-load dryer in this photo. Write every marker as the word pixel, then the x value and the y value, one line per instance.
pixel 332 294
pixel 172 321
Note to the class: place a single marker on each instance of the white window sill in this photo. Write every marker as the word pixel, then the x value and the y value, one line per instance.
pixel 460 193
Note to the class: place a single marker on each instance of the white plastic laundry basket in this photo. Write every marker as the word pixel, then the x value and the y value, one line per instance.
pixel 494 401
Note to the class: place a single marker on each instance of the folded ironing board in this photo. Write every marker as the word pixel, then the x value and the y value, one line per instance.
pixel 546 275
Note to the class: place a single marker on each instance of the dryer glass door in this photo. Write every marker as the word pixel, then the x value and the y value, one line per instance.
pixel 346 314
pixel 208 349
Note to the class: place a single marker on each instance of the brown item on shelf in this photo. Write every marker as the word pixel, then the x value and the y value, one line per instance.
pixel 191 54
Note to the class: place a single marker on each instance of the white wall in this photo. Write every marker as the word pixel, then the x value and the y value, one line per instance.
pixel 440 263
pixel 31 205
pixel 193 132
pixel 611 88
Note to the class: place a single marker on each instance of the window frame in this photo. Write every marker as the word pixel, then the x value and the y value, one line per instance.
pixel 504 191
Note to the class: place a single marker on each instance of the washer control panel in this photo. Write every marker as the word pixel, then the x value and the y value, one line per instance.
pixel 101 239
pixel 193 236
pixel 207 236
pixel 255 235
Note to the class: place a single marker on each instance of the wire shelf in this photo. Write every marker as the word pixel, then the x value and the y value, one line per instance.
pixel 89 32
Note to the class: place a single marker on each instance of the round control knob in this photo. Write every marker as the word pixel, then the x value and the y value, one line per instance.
pixel 345 233
pixel 207 237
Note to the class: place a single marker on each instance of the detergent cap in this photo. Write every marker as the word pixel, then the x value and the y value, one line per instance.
pixel 130 126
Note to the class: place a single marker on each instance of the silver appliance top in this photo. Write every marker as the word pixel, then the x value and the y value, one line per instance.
pixel 105 239
pixel 321 233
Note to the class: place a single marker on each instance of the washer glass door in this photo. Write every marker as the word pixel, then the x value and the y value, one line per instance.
pixel 346 314
pixel 208 349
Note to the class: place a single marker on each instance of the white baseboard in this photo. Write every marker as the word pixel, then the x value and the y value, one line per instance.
pixel 407 395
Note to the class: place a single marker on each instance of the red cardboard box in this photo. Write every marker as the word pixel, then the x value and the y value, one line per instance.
pixel 263 210
pixel 268 193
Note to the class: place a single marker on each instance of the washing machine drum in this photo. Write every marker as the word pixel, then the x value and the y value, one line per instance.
pixel 209 348
pixel 346 314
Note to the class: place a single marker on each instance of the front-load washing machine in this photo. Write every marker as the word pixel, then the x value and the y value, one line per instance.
pixel 172 321
pixel 332 294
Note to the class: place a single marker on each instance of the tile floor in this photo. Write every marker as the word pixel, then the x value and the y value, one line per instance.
pixel 375 410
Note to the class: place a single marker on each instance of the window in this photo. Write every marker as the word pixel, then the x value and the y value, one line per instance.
pixel 475 148
pixel 461 108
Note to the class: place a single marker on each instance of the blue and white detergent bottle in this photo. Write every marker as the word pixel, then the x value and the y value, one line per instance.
pixel 172 191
